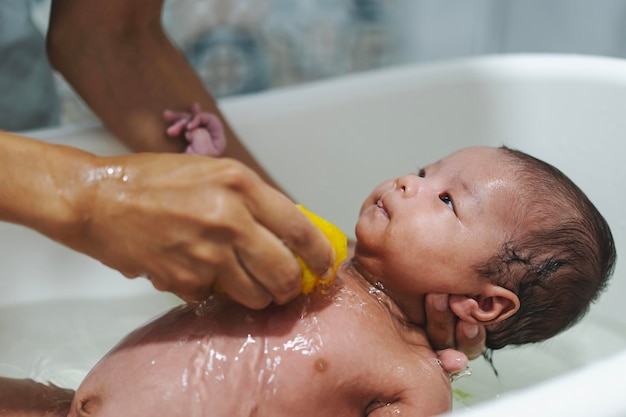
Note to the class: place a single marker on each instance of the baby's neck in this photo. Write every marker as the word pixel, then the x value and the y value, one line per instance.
pixel 414 315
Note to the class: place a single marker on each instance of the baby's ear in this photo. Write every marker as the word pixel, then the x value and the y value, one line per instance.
pixel 493 304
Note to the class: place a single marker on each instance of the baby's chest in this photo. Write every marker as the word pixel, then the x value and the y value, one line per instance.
pixel 345 356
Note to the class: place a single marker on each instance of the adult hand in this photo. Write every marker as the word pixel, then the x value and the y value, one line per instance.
pixel 452 361
pixel 446 331
pixel 188 222
pixel 194 222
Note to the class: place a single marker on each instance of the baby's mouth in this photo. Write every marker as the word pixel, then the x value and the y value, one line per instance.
pixel 381 207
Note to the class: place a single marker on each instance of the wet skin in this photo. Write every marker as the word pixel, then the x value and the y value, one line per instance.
pixel 346 351
pixel 351 352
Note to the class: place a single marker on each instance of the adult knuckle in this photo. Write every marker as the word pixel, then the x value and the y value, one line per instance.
pixel 209 256
pixel 221 220
pixel 236 175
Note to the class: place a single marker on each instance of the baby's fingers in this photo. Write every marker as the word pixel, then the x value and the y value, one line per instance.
pixel 202 119
pixel 202 143
pixel 176 128
pixel 174 116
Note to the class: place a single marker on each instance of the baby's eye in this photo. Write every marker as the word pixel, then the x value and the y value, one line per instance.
pixel 447 200
pixel 421 173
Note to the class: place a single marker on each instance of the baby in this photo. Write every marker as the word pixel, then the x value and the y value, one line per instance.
pixel 552 250
pixel 518 247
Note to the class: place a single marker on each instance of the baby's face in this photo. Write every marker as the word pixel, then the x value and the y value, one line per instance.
pixel 427 232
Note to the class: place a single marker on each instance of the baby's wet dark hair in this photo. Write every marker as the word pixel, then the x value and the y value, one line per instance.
pixel 557 260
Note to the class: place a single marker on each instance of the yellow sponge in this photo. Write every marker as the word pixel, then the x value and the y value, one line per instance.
pixel 339 242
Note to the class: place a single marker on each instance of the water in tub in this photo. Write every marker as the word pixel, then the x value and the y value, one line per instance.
pixel 60 340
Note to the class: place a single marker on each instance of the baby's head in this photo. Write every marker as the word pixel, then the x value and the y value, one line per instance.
pixel 515 243
pixel 558 259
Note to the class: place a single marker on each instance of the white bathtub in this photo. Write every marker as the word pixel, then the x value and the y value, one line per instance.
pixel 60 311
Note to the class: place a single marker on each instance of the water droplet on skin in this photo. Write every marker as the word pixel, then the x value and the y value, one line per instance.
pixel 460 374
pixel 185 378
pixel 207 306
pixel 391 408
pixel 377 288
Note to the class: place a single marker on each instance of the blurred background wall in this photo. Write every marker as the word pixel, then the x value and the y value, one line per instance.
pixel 246 46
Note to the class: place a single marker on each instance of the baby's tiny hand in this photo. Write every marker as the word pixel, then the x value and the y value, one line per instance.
pixel 204 131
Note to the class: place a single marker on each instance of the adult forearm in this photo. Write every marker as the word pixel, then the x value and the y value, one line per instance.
pixel 42 186
pixel 117 56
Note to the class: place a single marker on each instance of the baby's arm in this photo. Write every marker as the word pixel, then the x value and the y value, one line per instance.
pixel 203 131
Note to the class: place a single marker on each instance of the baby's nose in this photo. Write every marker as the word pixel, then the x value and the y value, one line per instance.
pixel 408 185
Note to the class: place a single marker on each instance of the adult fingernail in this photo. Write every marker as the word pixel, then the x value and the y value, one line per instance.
pixel 330 273
pixel 470 330
pixel 440 302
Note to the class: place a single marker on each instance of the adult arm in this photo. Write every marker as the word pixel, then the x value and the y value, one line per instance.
pixel 118 58
pixel 27 398
pixel 184 221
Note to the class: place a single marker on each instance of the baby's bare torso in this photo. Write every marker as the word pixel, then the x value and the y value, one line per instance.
pixel 343 353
